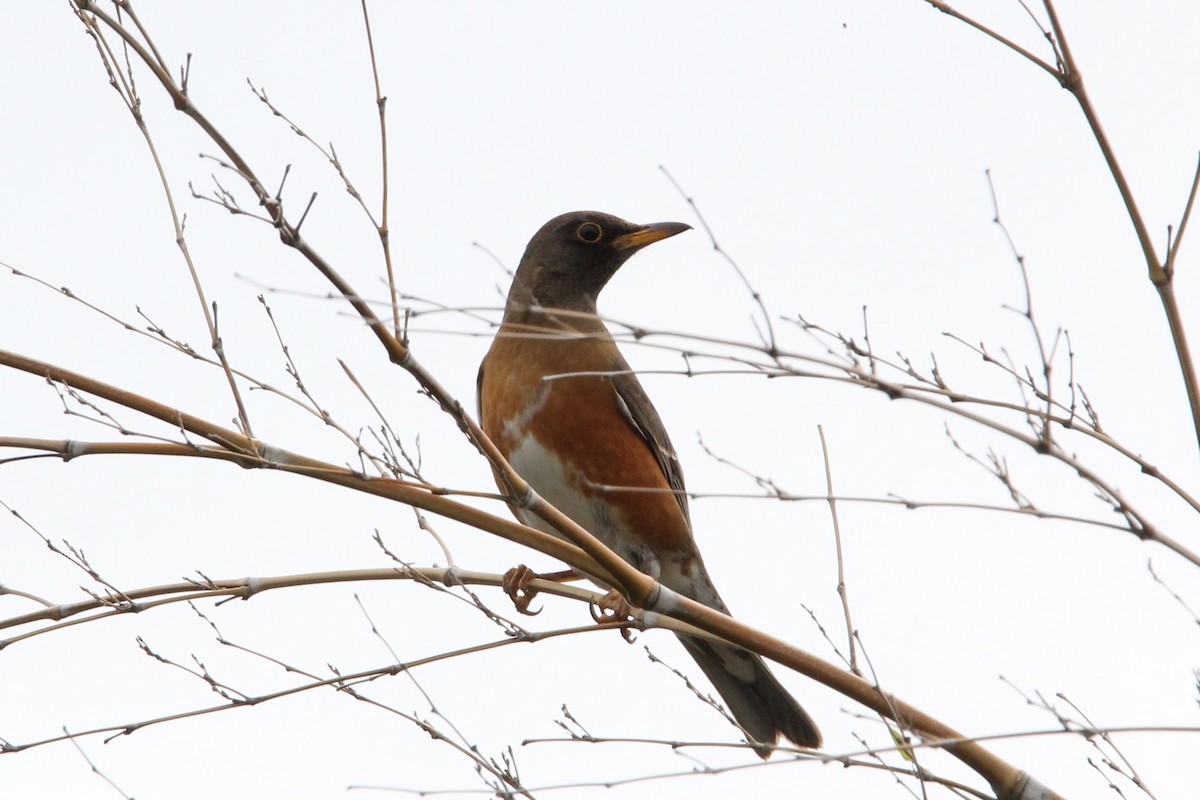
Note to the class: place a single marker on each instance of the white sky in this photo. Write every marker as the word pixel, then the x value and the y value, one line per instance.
pixel 837 149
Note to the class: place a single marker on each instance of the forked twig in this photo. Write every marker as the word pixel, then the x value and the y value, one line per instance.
pixel 1161 271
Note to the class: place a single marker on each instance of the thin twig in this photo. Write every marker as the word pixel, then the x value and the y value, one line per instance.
pixel 382 228
pixel 768 337
pixel 843 594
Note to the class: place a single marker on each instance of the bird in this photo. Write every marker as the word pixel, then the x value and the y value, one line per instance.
pixel 564 408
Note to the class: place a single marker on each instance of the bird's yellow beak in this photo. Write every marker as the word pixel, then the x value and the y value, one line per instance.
pixel 649 234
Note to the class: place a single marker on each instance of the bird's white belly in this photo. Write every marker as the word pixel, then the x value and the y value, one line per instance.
pixel 562 488
pixel 549 478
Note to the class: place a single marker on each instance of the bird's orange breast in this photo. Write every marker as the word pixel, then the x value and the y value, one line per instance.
pixel 540 400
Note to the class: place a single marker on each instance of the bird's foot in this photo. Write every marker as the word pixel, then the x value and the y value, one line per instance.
pixel 613 607
pixel 516 584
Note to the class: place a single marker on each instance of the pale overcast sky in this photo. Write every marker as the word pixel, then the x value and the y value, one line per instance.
pixel 838 151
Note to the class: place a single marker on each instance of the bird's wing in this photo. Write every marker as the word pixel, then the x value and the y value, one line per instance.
pixel 638 409
pixel 479 392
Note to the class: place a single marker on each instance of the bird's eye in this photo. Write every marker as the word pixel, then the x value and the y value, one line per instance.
pixel 589 232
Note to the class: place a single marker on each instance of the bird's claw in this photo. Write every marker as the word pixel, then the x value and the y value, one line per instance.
pixel 515 584
pixel 613 607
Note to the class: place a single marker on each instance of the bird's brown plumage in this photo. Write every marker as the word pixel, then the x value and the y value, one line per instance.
pixel 563 406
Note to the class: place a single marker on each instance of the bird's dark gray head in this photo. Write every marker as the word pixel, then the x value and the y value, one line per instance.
pixel 572 257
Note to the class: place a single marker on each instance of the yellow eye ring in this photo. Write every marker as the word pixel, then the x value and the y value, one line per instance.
pixel 589 232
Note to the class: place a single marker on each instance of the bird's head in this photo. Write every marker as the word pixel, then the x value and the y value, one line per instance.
pixel 572 257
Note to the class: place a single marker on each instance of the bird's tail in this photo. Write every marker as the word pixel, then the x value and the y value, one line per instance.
pixel 754 695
